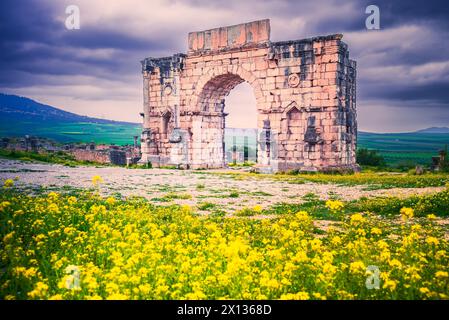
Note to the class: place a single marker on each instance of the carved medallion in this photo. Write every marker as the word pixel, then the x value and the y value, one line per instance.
pixel 168 90
pixel 293 80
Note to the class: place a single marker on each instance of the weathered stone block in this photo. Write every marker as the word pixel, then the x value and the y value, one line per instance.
pixel 246 34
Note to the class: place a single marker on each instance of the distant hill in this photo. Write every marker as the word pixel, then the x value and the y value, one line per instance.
pixel 15 108
pixel 434 130
pixel 20 116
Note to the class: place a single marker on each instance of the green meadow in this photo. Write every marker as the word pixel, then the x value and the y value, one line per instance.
pixel 404 148
pixel 119 134
pixel 398 149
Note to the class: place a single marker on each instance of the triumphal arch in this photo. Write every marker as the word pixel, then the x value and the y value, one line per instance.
pixel 305 92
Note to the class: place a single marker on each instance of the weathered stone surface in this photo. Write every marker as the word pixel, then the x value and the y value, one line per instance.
pixel 306 89
pixel 242 35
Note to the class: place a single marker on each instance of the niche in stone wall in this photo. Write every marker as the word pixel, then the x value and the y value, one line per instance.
pixel 166 124
pixel 292 123
pixel 292 131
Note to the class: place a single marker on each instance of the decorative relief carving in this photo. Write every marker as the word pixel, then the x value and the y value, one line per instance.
pixel 168 90
pixel 293 80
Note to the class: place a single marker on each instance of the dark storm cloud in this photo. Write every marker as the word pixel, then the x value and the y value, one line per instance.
pixel 437 92
pixel 97 39
pixel 402 12
pixel 421 38
pixel 26 21
pixel 394 12
pixel 403 64
pixel 34 42
pixel 388 72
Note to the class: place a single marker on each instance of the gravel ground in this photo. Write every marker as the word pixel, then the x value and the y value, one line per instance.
pixel 197 187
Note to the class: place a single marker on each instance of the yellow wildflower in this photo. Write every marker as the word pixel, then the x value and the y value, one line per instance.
pixel 295 296
pixel 8 237
pixel 357 267
pixel 390 285
pixel 357 219
pixel 4 205
pixel 40 290
pixel 336 240
pixel 117 296
pixel 53 195
pixel 441 274
pixel 110 201
pixel 395 263
pixel 71 200
pixel 432 241
pixel 53 208
pixel 406 213
pixel 96 180
pixel 424 290
pixel 8 183
pixel 334 205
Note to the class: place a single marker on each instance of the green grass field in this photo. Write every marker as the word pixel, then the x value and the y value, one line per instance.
pixel 397 148
pixel 402 148
pixel 119 134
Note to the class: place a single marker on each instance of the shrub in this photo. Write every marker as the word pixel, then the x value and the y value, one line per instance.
pixel 206 206
pixel 200 186
pixel 444 166
pixel 406 165
pixel 366 157
pixel 234 194
pixel 174 195
pixel 249 212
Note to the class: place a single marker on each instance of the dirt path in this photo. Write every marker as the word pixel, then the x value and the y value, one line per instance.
pixel 186 187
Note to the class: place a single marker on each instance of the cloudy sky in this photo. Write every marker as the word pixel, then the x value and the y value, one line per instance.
pixel 403 68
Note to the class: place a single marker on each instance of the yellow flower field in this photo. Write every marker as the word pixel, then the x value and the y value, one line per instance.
pixel 83 246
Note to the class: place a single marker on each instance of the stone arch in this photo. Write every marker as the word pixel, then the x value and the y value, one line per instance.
pixel 208 135
pixel 292 81
pixel 216 84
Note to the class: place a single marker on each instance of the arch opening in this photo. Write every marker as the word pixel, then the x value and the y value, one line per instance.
pixel 241 125
pixel 215 90
pixel 229 118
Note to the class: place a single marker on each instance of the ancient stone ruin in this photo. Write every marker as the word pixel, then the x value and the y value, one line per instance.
pixel 305 92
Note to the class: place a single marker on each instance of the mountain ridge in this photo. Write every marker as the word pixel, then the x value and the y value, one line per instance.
pixel 19 108
pixel 434 130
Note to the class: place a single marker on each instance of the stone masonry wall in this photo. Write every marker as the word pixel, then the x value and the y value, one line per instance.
pixel 100 156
